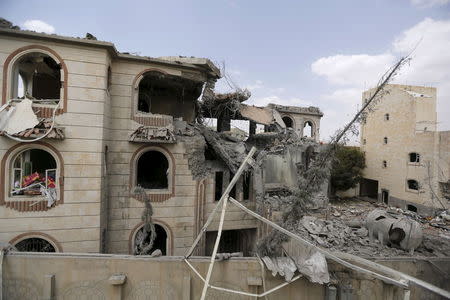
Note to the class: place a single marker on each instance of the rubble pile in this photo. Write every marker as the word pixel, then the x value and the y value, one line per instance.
pixel 342 228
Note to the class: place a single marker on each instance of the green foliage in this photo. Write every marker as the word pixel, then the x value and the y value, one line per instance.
pixel 347 168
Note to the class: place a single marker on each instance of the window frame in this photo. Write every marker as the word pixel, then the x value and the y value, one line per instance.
pixel 412 190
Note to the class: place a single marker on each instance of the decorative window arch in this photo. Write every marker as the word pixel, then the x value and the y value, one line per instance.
pixel 309 129
pixel 31 165
pixel 47 59
pixel 157 190
pixel 36 242
pixel 289 122
pixel 162 226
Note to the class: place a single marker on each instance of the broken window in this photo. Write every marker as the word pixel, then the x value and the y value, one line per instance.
pixel 168 95
pixel 385 140
pixel 308 129
pixel 153 170
pixel 414 157
pixel 218 186
pixel 37 75
pixel 160 241
pixel 31 170
pixel 411 208
pixel 34 245
pixel 384 164
pixel 288 122
pixel 413 184
pixel 241 240
pixel 386 117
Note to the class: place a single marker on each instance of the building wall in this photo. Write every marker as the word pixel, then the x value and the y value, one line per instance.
pixel 74 224
pixel 411 128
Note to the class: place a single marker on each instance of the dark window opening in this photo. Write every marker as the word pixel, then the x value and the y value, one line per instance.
pixel 218 186
pixel 37 75
pixel 308 129
pixel 168 95
pixel 233 190
pixel 411 208
pixel 288 122
pixel 385 196
pixel 368 188
pixel 246 185
pixel 413 184
pixel 385 140
pixel 414 157
pixel 32 169
pixel 34 245
pixel 153 170
pixel 384 164
pixel 160 241
pixel 386 117
pixel 242 240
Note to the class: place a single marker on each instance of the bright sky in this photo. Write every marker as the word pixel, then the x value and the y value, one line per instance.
pixel 321 53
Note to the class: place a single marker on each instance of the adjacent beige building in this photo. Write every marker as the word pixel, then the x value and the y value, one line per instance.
pixel 407 158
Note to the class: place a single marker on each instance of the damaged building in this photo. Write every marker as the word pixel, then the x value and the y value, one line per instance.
pixel 408 159
pixel 83 125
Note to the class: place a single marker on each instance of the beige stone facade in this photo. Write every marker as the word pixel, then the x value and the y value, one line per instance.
pixel 94 159
pixel 407 158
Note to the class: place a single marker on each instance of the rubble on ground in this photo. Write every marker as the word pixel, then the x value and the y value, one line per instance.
pixel 341 227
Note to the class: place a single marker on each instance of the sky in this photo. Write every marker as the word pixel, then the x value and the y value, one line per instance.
pixel 307 53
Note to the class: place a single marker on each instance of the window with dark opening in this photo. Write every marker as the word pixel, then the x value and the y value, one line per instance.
pixel 218 186
pixel 385 140
pixel 37 75
pixel 384 164
pixel 31 170
pixel 153 170
pixel 242 240
pixel 246 185
pixel 308 129
pixel 414 157
pixel 168 95
pixel 411 208
pixel 386 117
pixel 160 242
pixel 288 122
pixel 34 245
pixel 413 184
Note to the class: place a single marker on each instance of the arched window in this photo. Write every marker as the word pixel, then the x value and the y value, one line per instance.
pixel 35 244
pixel 413 184
pixel 142 238
pixel 288 122
pixel 385 140
pixel 386 117
pixel 153 170
pixel 414 157
pixel 32 170
pixel 36 75
pixel 308 130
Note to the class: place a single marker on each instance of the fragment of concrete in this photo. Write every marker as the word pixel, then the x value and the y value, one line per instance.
pixel 227 256
pixel 394 231
pixel 284 266
pixel 40 129
pixel 117 279
pixel 144 238
pixel 22 118
pixel 261 115
pixel 90 36
pixel 156 253
pixel 315 268
pixel 153 134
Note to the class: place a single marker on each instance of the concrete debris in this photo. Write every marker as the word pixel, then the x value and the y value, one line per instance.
pixel 7 24
pixel 261 115
pixel 90 36
pixel 153 134
pixel 315 268
pixel 284 266
pixel 22 118
pixel 40 129
pixel 392 231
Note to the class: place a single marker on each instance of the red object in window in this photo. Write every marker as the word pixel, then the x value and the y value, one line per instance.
pixel 27 180
pixel 50 183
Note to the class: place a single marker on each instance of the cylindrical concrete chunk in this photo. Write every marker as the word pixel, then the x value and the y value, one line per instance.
pixel 394 231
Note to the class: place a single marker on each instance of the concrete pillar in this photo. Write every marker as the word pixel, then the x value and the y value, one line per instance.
pixel 117 281
pixel 330 292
